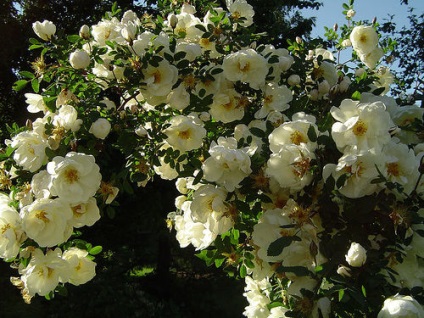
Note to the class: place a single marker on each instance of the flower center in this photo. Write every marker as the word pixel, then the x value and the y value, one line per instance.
pixel 297 137
pixel 77 210
pixel 42 215
pixel 268 99
pixel 393 169
pixel 244 66
pixel 71 176
pixel 363 38
pixel 157 76
pixel 300 168
pixel 360 128
pixel 185 134
pixel 5 228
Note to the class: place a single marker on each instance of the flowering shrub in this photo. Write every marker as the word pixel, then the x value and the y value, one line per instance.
pixel 296 172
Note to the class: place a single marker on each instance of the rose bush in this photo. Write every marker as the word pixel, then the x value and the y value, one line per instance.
pixel 295 171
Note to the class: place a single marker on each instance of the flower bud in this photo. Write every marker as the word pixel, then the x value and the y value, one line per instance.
pixel 172 20
pixel 335 27
pixel 79 59
pixel 129 32
pixel 84 32
pixel 100 128
pixel 359 72
pixel 141 131
pixel 293 80
pixel 356 255
pixel 374 21
pixel 299 40
pixel 313 94
pixel 350 13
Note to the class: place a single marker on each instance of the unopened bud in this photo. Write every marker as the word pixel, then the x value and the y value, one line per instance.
pixel 293 80
pixel 335 27
pixel 350 13
pixel 343 271
pixel 84 32
pixel 172 20
pixel 374 20
pixel 28 124
pixel 299 40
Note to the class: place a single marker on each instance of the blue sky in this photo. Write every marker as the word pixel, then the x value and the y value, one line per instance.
pixel 331 12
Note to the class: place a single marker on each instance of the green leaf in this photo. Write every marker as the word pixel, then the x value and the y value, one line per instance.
pixel 95 250
pixel 26 74
pixel 243 271
pixel 19 85
pixel 356 95
pixel 312 134
pixel 276 247
pixel 297 270
pixel 73 38
pixel 35 84
pixel 341 294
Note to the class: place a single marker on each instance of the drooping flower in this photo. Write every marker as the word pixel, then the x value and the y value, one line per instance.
pixel 11 233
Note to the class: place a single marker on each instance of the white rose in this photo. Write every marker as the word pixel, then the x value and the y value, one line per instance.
pixel 84 32
pixel 85 214
pixel 67 117
pixel 75 177
pixel 100 128
pixel 185 133
pixel 356 255
pixel 401 306
pixel 293 80
pixel 45 30
pixel 246 66
pixel 44 272
pixel 30 152
pixel 11 234
pixel 364 39
pixel 241 9
pixel 81 268
pixel 79 59
pixel 35 103
pixel 46 221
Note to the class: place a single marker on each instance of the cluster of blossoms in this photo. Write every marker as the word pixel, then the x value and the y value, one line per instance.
pixel 297 174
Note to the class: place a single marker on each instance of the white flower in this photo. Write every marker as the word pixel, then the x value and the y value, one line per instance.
pixel 371 59
pixel 350 13
pixel 67 117
pixel 401 165
pixel 185 133
pixel 159 80
pixel 364 39
pixel 75 177
pixel 11 233
pixel 360 170
pixel 30 152
pixel 79 59
pixel 35 103
pixel 44 30
pixel 294 132
pixel 227 165
pixel 40 184
pixel 240 9
pixel 275 98
pixel 356 255
pixel 46 221
pixel 107 30
pixel 84 32
pixel 227 106
pixel 293 80
pixel 44 272
pixel 192 50
pixel 291 167
pixel 256 293
pixel 129 31
pixel 399 306
pixel 100 128
pixel 192 232
pixel 81 268
pixel 365 126
pixel 165 170
pixel 246 66
pixel 85 214
pixel 405 116
pixel 179 98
